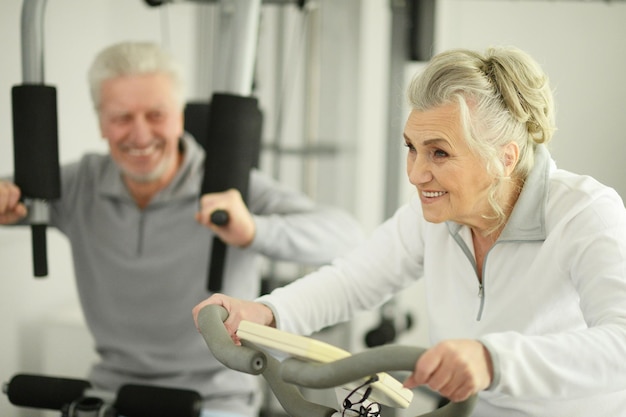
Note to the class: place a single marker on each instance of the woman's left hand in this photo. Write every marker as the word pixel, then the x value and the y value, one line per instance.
pixel 456 369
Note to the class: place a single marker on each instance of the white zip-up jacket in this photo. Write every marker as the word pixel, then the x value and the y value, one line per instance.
pixel 551 309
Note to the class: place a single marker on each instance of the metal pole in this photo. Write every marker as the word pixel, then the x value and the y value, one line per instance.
pixel 236 52
pixel 397 60
pixel 32 41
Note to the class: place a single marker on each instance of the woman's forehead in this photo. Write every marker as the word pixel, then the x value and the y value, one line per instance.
pixel 438 123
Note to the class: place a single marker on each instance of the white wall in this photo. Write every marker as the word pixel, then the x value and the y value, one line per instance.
pixel 582 47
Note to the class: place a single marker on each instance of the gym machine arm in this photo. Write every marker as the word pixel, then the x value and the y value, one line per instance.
pixel 285 377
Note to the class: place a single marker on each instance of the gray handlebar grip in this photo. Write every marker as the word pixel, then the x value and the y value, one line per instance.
pixel 369 362
pixel 289 396
pixel 240 358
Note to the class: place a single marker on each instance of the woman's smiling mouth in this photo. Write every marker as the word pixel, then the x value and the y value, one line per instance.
pixel 433 194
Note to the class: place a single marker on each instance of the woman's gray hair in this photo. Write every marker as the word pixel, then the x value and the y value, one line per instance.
pixel 503 96
pixel 133 58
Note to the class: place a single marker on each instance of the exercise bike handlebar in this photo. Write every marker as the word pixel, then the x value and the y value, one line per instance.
pixel 284 377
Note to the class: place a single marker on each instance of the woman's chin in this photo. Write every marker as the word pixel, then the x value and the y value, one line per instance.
pixel 433 217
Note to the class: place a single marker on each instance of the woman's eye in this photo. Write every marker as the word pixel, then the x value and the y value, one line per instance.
pixel 438 154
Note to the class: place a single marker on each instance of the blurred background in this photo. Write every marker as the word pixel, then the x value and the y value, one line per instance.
pixel 330 76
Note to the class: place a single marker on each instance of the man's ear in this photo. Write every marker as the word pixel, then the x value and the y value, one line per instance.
pixel 510 157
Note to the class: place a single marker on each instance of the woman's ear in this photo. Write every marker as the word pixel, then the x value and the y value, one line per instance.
pixel 510 157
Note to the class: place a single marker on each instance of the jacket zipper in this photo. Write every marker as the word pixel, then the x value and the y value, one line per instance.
pixel 481 295
pixel 481 286
pixel 141 231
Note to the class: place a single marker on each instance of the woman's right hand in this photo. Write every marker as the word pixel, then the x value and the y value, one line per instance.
pixel 237 310
pixel 11 209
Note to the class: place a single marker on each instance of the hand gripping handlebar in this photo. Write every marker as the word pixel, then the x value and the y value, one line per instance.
pixel 284 377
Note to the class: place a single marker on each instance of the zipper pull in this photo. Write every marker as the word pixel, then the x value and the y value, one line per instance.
pixel 480 290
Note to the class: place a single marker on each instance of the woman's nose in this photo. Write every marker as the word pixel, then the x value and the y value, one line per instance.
pixel 419 171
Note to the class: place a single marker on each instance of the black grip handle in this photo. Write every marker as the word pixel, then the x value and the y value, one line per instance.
pixel 232 143
pixel 216 268
pixel 40 251
pixel 220 217
pixel 36 155
pixel 142 401
pixel 45 392
pixel 35 141
pixel 218 254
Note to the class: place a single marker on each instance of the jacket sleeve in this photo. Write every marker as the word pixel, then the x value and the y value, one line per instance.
pixel 291 227
pixel 384 264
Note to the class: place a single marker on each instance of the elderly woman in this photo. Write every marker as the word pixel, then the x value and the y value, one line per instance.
pixel 525 263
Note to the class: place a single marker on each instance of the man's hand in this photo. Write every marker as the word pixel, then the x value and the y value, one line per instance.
pixel 11 209
pixel 240 228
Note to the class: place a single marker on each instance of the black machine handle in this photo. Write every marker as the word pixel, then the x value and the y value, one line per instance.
pixel 35 133
pixel 36 160
pixel 220 217
pixel 284 377
pixel 37 391
pixel 131 400
pixel 134 400
pixel 232 142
